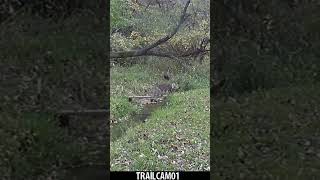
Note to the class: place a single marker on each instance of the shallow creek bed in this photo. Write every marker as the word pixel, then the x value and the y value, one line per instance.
pixel 149 104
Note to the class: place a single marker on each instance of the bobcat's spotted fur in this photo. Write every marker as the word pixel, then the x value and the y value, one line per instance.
pixel 163 89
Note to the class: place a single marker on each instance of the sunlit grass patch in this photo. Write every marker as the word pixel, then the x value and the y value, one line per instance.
pixel 175 137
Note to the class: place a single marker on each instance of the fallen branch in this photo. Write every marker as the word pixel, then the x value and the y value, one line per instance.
pixel 151 98
pixel 147 50
pixel 126 54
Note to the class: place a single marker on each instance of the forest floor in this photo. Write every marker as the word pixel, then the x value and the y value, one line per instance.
pixel 268 133
pixel 39 67
pixel 176 135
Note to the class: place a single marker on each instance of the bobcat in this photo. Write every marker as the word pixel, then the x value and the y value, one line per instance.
pixel 164 89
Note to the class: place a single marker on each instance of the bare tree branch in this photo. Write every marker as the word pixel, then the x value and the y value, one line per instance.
pixel 147 50
pixel 126 54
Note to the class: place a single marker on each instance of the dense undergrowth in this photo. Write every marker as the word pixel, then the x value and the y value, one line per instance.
pixel 47 62
pixel 34 147
pixel 46 66
pixel 265 123
pixel 174 137
pixel 269 134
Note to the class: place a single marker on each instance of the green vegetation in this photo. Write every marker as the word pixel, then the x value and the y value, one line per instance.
pixel 120 15
pixel 174 137
pixel 136 79
pixel 139 78
pixel 183 119
pixel 175 133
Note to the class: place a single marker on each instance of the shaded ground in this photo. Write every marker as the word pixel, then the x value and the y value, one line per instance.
pixel 269 134
pixel 91 133
pixel 50 66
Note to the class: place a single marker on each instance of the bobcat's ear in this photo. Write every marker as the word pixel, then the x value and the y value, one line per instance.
pixel 166 75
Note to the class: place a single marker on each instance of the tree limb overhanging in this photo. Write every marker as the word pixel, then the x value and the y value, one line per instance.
pixel 148 50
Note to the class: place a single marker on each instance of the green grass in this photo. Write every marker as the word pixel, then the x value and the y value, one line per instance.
pixel 138 78
pixel 126 81
pixel 174 137
pixel 121 107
